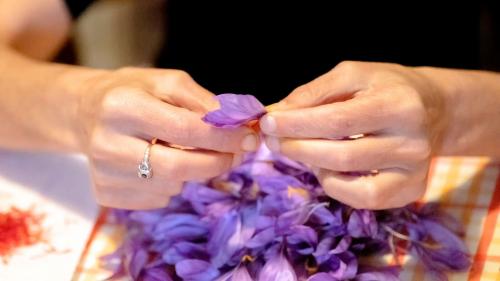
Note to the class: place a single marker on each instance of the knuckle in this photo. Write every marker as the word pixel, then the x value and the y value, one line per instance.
pixel 413 109
pixel 117 100
pixel 327 187
pixel 347 67
pixel 341 124
pixel 179 77
pixel 303 92
pixel 346 160
pixel 98 147
pixel 422 150
pixel 372 199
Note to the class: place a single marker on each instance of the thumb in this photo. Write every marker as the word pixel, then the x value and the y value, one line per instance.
pixel 336 85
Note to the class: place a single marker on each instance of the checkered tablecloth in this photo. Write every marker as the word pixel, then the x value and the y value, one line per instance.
pixel 468 188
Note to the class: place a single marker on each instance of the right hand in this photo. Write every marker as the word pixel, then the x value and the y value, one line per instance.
pixel 122 111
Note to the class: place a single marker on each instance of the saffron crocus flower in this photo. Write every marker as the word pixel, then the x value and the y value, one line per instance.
pixel 388 273
pixel 269 219
pixel 235 110
pixel 362 223
pixel 196 270
pixel 277 269
pixel 240 273
pixel 156 274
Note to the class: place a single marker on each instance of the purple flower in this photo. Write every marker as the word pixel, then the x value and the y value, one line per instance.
pixel 269 219
pixel 184 250
pixel 235 110
pixel 302 239
pixel 156 274
pixel 277 269
pixel 196 270
pixel 362 223
pixel 323 276
pixel 177 226
pixel 137 262
pixel 341 266
pixel 389 273
pixel 439 249
pixel 235 230
pixel 238 274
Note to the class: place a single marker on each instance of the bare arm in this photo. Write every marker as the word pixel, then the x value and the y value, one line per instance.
pixel 406 116
pixel 31 31
pixel 472 103
pixel 35 28
pixel 111 116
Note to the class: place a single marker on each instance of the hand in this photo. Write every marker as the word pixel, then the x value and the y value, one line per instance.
pixel 399 113
pixel 121 111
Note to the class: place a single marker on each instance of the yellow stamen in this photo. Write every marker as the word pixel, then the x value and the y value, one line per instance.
pixel 247 258
pixel 310 269
pixel 297 191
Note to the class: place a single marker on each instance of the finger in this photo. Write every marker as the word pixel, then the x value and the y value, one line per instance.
pixel 175 87
pixel 119 157
pixel 390 188
pixel 185 92
pixel 362 154
pixel 338 84
pixel 130 199
pixel 359 115
pixel 136 112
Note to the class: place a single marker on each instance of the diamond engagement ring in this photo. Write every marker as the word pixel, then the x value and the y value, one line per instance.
pixel 145 170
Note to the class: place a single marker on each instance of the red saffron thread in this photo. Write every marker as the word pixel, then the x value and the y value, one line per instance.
pixel 18 228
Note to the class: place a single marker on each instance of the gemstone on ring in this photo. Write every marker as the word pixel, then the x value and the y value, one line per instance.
pixel 144 171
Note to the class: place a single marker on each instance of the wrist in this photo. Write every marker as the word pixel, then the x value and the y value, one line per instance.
pixel 71 83
pixel 470 104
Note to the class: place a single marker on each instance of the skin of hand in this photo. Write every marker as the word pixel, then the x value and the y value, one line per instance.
pixel 111 116
pixel 404 116
pixel 123 109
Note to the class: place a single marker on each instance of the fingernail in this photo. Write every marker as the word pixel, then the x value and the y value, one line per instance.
pixel 268 124
pixel 249 143
pixel 273 144
pixel 237 159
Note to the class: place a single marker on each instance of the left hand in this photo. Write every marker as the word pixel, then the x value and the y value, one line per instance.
pixel 398 111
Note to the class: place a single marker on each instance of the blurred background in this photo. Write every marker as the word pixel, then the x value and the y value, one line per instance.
pixel 268 48
pixel 114 33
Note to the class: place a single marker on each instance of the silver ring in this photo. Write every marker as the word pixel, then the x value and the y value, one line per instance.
pixel 144 170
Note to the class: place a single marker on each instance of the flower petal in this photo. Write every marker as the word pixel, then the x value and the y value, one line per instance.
pixel 322 276
pixel 362 223
pixel 184 250
pixel 156 274
pixel 389 273
pixel 277 269
pixel 235 110
pixel 196 270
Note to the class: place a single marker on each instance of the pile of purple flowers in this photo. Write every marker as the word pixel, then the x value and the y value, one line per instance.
pixel 269 220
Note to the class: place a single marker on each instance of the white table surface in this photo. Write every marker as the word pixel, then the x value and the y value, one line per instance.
pixel 59 187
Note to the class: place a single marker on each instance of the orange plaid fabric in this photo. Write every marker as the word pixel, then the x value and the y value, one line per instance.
pixel 468 188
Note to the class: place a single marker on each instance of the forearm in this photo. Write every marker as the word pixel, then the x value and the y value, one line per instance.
pixel 39 103
pixel 472 105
